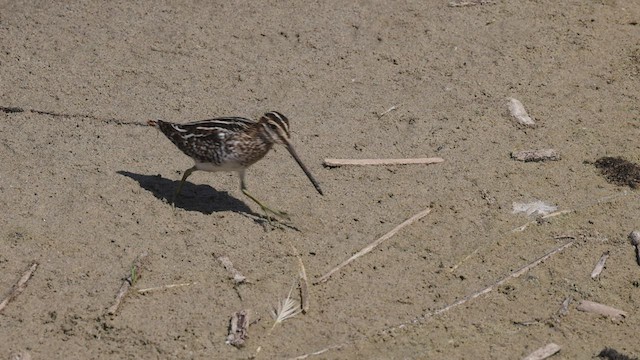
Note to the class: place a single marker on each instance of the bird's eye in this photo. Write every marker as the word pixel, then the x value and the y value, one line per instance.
pixel 273 127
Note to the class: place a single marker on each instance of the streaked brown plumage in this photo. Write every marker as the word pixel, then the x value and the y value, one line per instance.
pixel 231 144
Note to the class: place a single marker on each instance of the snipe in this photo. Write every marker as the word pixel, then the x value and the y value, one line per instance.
pixel 231 144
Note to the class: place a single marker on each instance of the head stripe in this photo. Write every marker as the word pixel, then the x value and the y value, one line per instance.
pixel 275 121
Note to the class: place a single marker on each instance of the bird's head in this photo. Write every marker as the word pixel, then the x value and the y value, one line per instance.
pixel 276 127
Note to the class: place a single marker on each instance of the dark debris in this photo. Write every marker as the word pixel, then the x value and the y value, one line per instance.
pixel 11 109
pixel 619 171
pixel 612 354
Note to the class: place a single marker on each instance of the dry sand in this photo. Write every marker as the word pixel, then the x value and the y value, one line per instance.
pixel 83 183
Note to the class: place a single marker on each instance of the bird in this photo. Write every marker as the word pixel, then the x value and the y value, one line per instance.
pixel 231 144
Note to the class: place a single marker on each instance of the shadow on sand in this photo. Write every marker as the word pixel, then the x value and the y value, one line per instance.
pixel 201 198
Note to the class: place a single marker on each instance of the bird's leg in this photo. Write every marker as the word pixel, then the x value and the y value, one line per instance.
pixel 188 172
pixel 265 208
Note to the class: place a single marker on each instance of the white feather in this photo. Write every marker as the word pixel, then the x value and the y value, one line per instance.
pixel 534 208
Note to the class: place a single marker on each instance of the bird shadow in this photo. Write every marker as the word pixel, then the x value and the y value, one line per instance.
pixel 201 198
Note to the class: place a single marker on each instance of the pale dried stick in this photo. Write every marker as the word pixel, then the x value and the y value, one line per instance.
pixel 371 246
pixel 303 282
pixel 319 352
pixel 387 111
pixel 599 266
pixel 523 227
pixel 518 229
pixel 544 352
pixel 601 309
pixel 536 155
pixel 238 278
pixel 19 286
pixel 462 3
pixel 164 287
pixel 302 285
pixel 513 275
pixel 343 162
pixel 132 277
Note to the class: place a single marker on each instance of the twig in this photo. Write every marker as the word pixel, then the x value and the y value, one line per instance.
pixel 536 155
pixel 601 309
pixel 19 286
pixel 343 162
pixel 371 246
pixel 164 287
pixel 319 352
pixel 599 266
pixel 544 352
pixel 523 227
pixel 303 285
pixel 238 328
pixel 463 3
pixel 513 275
pixel 130 280
pixel 238 278
pixel 387 111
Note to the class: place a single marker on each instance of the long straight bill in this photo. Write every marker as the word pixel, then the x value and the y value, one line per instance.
pixel 303 167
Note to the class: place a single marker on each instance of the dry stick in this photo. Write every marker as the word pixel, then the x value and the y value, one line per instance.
pixel 132 276
pixel 599 266
pixel 601 309
pixel 462 3
pixel 523 227
pixel 536 155
pixel 303 285
pixel 19 286
pixel 343 162
pixel 164 287
pixel 371 246
pixel 514 274
pixel 387 111
pixel 465 299
pixel 544 352
pixel 319 352
pixel 453 268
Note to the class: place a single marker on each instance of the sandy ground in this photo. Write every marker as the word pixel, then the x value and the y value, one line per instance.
pixel 84 184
